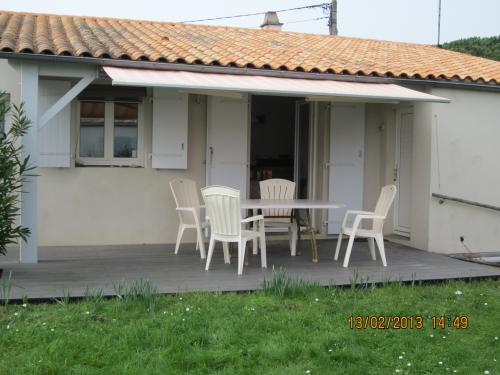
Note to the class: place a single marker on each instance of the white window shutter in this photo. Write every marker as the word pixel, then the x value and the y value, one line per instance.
pixel 170 129
pixel 54 137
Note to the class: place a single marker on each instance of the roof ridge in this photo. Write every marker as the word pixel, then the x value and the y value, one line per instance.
pixel 175 23
pixel 232 46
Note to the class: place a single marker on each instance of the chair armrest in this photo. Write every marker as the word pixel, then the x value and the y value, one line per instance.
pixel 358 219
pixel 253 218
pixel 193 212
pixel 189 209
pixel 372 216
pixel 356 212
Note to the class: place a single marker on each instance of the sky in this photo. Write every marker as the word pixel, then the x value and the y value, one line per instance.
pixel 399 20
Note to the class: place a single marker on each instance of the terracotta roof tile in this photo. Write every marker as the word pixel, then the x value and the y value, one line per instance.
pixel 239 47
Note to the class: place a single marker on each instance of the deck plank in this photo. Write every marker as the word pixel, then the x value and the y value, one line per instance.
pixel 76 268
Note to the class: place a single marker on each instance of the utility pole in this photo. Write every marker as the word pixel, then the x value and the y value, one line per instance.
pixel 439 25
pixel 332 22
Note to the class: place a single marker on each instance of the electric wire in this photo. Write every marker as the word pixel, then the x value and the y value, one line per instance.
pixel 322 5
pixel 308 20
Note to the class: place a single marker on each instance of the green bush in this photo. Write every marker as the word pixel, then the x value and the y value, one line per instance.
pixel 13 172
pixel 483 47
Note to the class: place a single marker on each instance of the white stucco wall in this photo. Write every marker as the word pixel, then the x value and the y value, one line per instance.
pixel 9 81
pixel 465 160
pixel 109 205
pixel 421 174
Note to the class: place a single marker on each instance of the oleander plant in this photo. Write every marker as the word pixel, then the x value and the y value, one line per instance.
pixel 14 169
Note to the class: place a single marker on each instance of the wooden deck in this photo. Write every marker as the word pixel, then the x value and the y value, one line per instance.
pixel 74 269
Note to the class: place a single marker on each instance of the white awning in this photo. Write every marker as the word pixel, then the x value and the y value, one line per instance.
pixel 312 88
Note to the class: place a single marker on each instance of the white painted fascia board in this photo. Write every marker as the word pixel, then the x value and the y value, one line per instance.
pixel 61 70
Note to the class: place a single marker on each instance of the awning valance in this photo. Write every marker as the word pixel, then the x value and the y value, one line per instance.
pixel 264 85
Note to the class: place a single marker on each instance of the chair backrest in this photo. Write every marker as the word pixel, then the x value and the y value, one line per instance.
pixel 383 206
pixel 277 188
pixel 223 209
pixel 186 195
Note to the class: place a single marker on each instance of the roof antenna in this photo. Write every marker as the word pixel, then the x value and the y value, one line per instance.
pixel 439 25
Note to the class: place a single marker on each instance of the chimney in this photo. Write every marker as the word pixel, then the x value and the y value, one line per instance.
pixel 271 22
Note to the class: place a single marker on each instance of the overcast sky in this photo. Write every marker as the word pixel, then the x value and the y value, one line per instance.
pixel 402 20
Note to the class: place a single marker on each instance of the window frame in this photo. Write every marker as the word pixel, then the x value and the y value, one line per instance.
pixel 109 128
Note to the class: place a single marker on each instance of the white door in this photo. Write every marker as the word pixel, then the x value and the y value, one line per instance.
pixel 346 166
pixel 403 172
pixel 227 142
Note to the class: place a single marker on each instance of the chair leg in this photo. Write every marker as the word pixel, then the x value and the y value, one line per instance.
pixel 293 242
pixel 337 250
pixel 380 243
pixel 241 255
pixel 263 249
pixel 180 232
pixel 371 245
pixel 225 249
pixel 349 249
pixel 210 252
pixel 255 247
pixel 200 243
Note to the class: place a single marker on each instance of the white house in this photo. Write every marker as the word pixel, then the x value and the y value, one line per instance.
pixel 121 107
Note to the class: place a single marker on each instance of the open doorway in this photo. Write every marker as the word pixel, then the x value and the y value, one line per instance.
pixel 279 146
pixel 302 144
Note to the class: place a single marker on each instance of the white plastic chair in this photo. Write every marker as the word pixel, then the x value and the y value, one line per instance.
pixel 277 188
pixel 223 209
pixel 189 208
pixel 375 233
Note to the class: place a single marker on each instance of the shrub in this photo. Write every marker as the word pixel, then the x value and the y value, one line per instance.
pixel 488 47
pixel 13 172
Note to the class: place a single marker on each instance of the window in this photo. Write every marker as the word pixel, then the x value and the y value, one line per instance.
pixel 92 116
pixel 109 133
pixel 125 135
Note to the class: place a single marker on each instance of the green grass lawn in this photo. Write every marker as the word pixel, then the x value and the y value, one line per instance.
pixel 303 331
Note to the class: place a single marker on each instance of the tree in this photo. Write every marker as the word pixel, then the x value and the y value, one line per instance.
pixel 482 47
pixel 13 172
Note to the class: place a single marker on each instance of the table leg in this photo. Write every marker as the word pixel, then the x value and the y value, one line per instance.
pixel 255 244
pixel 314 249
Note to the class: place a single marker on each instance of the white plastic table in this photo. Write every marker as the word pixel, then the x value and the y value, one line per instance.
pixel 296 205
